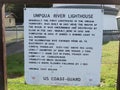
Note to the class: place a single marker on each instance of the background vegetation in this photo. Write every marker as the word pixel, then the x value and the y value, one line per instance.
pixel 17 9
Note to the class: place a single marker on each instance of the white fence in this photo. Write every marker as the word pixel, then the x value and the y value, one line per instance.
pixel 14 34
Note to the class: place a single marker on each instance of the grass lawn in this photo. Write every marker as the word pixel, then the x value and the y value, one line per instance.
pixel 15 72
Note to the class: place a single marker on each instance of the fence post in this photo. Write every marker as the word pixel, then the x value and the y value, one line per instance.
pixel 3 75
pixel 16 34
pixel 118 75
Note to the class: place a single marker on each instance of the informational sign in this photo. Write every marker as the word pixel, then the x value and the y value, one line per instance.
pixel 63 46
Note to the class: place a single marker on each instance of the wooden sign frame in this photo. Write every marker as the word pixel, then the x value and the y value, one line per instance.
pixel 63 1
pixel 3 75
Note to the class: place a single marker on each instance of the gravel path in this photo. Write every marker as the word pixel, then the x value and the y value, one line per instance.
pixel 15 47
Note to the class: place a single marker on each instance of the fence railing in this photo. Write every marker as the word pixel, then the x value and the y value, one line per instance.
pixel 111 32
pixel 14 34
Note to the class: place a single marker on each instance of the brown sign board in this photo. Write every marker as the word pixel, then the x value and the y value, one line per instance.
pixel 63 1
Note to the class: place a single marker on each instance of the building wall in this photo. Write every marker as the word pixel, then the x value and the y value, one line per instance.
pixel 110 22
pixel 109 17
pixel 10 22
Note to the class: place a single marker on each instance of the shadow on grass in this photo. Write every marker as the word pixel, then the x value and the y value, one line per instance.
pixel 105 42
pixel 15 65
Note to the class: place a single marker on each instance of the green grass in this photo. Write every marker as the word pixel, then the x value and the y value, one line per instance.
pixel 108 72
pixel 110 53
pixel 15 65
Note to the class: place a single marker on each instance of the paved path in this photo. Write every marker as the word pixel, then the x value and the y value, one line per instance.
pixel 15 47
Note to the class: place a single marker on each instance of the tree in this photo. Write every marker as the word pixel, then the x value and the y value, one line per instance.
pixel 17 9
pixel 9 7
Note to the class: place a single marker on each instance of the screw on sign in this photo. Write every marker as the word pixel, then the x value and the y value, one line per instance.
pixel 33 78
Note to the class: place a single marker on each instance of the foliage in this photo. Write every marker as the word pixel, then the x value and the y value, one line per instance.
pixel 17 9
pixel 9 7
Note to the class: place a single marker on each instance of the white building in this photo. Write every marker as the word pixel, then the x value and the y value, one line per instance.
pixel 10 19
pixel 110 12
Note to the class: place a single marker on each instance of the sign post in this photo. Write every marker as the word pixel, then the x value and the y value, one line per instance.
pixel 118 75
pixel 3 75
